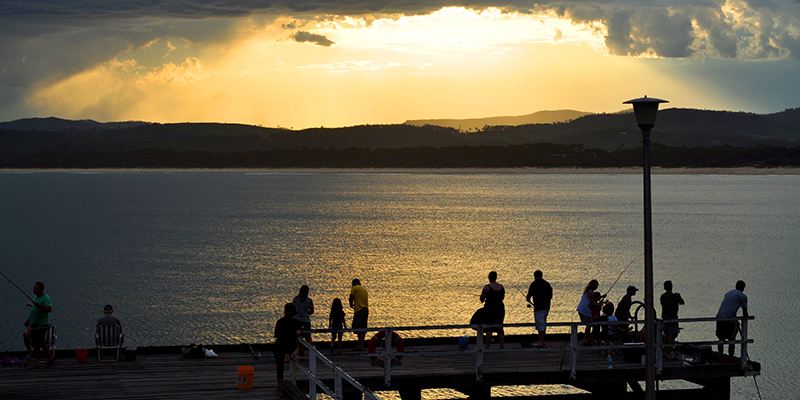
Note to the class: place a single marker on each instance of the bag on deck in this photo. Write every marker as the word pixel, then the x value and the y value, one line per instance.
pixel 478 317
pixel 194 351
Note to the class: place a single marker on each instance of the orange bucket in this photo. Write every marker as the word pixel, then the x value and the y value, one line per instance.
pixel 245 377
pixel 82 354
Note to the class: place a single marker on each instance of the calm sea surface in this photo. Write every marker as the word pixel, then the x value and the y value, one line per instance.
pixel 212 257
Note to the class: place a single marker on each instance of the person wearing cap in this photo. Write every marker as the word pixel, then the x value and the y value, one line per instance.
pixel 109 319
pixel 540 293
pixel 623 312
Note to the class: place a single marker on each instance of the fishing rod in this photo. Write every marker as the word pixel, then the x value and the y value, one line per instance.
pixel 255 355
pixel 525 296
pixel 15 285
pixel 622 273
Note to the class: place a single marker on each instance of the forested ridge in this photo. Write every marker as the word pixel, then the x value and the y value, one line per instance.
pixel 681 138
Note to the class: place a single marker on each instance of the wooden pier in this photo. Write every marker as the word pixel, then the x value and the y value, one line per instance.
pixel 427 363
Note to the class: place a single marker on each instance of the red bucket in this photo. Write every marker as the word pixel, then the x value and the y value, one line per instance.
pixel 82 354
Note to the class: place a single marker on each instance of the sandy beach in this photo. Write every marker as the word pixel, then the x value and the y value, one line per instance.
pixel 604 171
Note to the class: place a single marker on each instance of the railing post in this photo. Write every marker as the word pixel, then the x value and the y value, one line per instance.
pixel 743 356
pixel 479 355
pixel 337 381
pixel 292 370
pixel 659 345
pixel 573 351
pixel 387 363
pixel 312 368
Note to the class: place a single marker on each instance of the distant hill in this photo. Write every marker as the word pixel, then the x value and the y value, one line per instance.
pixel 53 124
pixel 73 140
pixel 472 124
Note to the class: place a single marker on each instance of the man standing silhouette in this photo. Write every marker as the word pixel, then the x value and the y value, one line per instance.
pixel 539 294
pixel 39 322
pixel 670 302
pixel 359 302
pixel 727 330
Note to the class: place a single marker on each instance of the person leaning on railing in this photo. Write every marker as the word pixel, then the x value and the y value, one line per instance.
pixel 726 330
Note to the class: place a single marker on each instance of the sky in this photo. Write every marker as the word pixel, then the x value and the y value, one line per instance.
pixel 310 63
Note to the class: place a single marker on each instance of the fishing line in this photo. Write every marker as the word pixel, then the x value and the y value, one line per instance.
pixel 622 273
pixel 749 360
pixel 15 285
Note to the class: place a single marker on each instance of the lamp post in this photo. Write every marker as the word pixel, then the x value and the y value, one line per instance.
pixel 645 110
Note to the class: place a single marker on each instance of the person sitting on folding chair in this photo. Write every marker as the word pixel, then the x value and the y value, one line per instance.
pixel 614 332
pixel 109 335
pixel 111 320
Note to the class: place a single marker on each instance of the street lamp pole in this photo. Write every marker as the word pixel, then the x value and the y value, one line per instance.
pixel 645 110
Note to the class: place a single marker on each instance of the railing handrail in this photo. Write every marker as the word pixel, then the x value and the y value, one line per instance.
pixel 339 375
pixel 522 325
pixel 479 350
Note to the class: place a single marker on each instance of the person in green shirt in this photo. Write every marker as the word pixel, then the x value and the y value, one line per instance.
pixel 39 321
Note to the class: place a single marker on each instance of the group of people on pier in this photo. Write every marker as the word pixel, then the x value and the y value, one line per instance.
pixel 593 307
pixel 297 318
pixel 38 323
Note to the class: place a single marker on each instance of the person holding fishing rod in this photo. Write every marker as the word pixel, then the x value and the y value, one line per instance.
pixel 587 304
pixel 623 312
pixel 540 293
pixel 38 322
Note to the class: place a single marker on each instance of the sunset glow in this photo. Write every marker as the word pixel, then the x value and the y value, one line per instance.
pixel 328 69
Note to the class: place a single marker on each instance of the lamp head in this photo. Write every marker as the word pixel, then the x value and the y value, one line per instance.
pixel 645 110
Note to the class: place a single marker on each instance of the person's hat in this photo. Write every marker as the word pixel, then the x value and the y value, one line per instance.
pixel 631 287
pixel 108 307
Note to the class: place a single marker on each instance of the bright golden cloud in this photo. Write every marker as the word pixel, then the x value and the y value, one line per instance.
pixel 453 63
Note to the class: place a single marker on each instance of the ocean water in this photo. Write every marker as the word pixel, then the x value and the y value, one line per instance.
pixel 212 257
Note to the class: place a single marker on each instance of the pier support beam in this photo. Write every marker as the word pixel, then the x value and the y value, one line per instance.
pixel 410 394
pixel 476 392
pixel 605 390
pixel 716 389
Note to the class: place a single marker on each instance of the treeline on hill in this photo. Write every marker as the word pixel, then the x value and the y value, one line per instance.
pixel 515 156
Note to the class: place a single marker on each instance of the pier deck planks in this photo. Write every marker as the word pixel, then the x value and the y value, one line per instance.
pixel 157 376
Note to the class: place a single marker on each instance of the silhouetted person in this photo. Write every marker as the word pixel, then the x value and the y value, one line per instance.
pixel 494 312
pixel 669 310
pixel 39 322
pixel 359 302
pixel 726 330
pixel 305 307
pixel 111 320
pixel 539 294
pixel 623 312
pixel 287 329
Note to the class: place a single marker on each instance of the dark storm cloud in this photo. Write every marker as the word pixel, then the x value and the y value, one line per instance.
pixel 666 28
pixel 318 40
pixel 43 40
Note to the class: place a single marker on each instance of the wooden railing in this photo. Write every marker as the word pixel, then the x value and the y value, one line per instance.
pixel 387 353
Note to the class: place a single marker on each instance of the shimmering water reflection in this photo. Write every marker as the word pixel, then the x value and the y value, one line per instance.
pixel 212 257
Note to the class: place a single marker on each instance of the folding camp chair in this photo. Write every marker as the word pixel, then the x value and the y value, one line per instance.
pixel 50 338
pixel 108 337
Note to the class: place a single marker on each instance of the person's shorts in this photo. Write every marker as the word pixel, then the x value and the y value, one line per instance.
pixel 586 319
pixel 540 316
pixel 37 336
pixel 726 330
pixel 336 328
pixel 671 330
pixel 360 318
pixel 622 318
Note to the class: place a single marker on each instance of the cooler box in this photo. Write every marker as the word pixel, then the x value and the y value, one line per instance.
pixel 633 352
